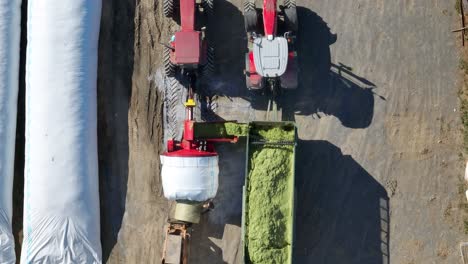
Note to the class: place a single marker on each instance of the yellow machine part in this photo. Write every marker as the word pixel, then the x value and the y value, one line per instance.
pixel 190 103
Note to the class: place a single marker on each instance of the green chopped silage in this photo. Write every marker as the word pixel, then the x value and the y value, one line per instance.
pixel 220 130
pixel 269 189
pixel 275 134
pixel 236 129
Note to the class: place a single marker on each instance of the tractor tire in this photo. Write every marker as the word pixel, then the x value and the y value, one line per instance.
pixel 290 15
pixel 169 8
pixel 250 16
pixel 173 95
pixel 249 5
pixel 208 69
pixel 290 3
pixel 208 7
pixel 208 105
pixel 291 19
pixel 169 67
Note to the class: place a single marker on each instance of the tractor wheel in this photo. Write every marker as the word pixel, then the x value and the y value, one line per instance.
pixel 290 14
pixel 249 5
pixel 169 67
pixel 169 8
pixel 291 18
pixel 290 3
pixel 208 7
pixel 173 94
pixel 209 68
pixel 207 104
pixel 250 16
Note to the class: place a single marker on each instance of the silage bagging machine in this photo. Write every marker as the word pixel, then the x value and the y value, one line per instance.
pixel 190 165
pixel 190 177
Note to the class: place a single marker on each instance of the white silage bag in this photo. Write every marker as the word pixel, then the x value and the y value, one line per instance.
pixel 61 211
pixel 10 16
pixel 190 178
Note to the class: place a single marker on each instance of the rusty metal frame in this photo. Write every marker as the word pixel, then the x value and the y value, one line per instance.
pixel 178 229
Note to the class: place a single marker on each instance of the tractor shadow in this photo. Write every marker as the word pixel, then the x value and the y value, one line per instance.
pixel 324 88
pixel 342 212
pixel 226 33
pixel 116 57
pixel 327 88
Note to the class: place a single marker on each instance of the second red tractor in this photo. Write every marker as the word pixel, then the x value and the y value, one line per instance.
pixel 188 50
pixel 271 61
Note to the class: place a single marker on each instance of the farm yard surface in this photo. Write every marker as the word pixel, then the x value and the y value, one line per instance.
pixel 379 159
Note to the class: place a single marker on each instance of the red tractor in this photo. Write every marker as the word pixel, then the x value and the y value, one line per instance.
pixel 271 61
pixel 188 49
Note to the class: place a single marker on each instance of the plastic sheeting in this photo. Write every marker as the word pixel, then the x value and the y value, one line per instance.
pixel 61 211
pixel 190 178
pixel 10 16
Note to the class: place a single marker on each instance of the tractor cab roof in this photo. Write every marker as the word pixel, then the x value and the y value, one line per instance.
pixel 187 47
pixel 270 56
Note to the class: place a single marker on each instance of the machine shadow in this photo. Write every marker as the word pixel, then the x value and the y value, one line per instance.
pixel 216 244
pixel 327 88
pixel 324 88
pixel 342 212
pixel 338 93
pixel 230 48
pixel 114 89
pixel 219 232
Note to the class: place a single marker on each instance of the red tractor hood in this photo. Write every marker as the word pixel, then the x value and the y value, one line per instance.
pixel 269 17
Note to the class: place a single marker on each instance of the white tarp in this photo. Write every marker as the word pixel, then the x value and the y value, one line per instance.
pixel 10 16
pixel 189 178
pixel 61 211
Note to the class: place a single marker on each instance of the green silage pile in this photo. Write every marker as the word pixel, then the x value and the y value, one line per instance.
pixel 236 129
pixel 220 130
pixel 269 207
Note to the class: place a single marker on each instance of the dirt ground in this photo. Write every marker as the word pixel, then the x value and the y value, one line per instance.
pixel 379 161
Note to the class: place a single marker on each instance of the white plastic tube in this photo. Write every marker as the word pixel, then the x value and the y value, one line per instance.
pixel 61 212
pixel 10 16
